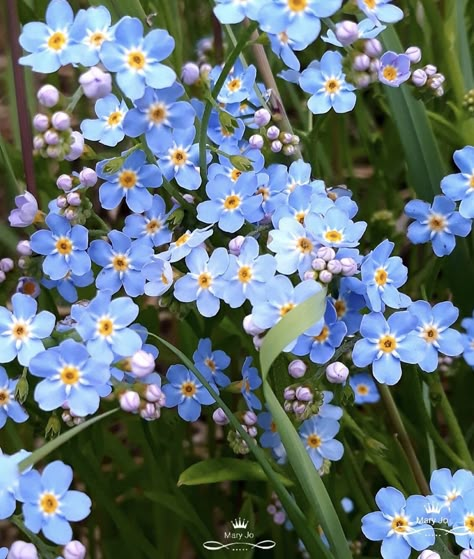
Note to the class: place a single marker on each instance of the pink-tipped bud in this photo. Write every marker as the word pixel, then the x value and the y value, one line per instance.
pixel 304 394
pixel 219 417
pixel 22 550
pixel 297 368
pixel 334 266
pixel 279 518
pixel 74 550
pixel 190 73
pixel 256 141
pixel 73 199
pixel 142 363
pixel 262 117
pixel 51 137
pixel 271 509
pixel 204 70
pixel 419 77
pixel 361 63
pixel 362 80
pixel 373 48
pixel 273 132
pixel 349 266
pixel 286 138
pixel 48 96
pixel 309 275
pixel 154 394
pixel 38 142
pixel 6 265
pixel 130 401
pixel 64 182
pixel 414 54
pixel 96 83
pixel 88 177
pixel 428 554
pixel 465 554
pixel 250 418
pixel 40 122
pixel 276 146
pixel 250 327
pixel 347 32
pixel 337 373
pixel 326 253
pixel 70 214
pixel 235 245
pixel 289 149
pixel 61 121
pixel 3 277
pixel 298 407
pixel 289 393
pixel 318 264
pixel 24 248
pixel 325 276
pixel 61 202
pixel 150 412
pixel 430 70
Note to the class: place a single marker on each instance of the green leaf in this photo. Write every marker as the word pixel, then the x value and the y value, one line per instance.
pixel 216 470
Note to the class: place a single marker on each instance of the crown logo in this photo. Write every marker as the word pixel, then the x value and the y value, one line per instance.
pixel 433 508
pixel 239 523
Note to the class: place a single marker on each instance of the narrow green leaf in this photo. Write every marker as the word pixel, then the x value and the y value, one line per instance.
pixel 216 470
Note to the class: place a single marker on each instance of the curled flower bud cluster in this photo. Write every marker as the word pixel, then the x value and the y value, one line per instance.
pixel 300 400
pixel 468 102
pixel 326 266
pixel 429 79
pixel 272 137
pixel 276 511
pixel 145 399
pixel 236 443
pixel 6 265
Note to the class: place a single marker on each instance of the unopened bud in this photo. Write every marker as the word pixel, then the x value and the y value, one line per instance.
pixel 430 70
pixel 257 342
pixel 361 63
pixel 349 266
pixel 235 245
pixel 219 417
pixel 325 276
pixel 190 73
pixel 298 407
pixel 74 550
pixel 6 265
pixel 73 199
pixel 38 142
pixel 428 554
pixel 61 121
pixel 289 393
pixel 262 117
pixel 297 368
pixel 88 177
pixel 256 141
pixel 3 277
pixel 149 412
pixel 276 146
pixel 419 77
pixel 250 327
pixel 24 248
pixel 373 48
pixel 48 96
pixel 250 418
pixel 96 83
pixel 64 182
pixel 337 373
pixel 77 146
pixel 304 394
pixel 61 202
pixel 309 275
pixel 154 394
pixel 326 253
pixel 142 363
pixel 273 132
pixel 130 401
pixel 347 32
pixel 414 54
pixel 334 266
pixel 40 122
pixel 318 264
pixel 51 137
pixel 465 554
pixel 22 550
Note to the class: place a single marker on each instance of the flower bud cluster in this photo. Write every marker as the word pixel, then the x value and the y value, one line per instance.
pixel 302 401
pixel 272 137
pixel 145 399
pixel 468 102
pixel 325 266
pixel 6 265
pixel 236 443
pixel 429 79
pixel 276 511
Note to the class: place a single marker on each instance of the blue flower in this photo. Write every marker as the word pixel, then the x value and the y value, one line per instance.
pixel 26 211
pixel 88 32
pixel 137 59
pixel 365 389
pixel 335 229
pixel 433 328
pixel 367 30
pixel 130 182
pixel 237 85
pixel 447 487
pixel 317 434
pixel 204 282
pixel 225 165
pixel 22 330
pixel 327 83
pixel 9 476
pixel 48 43
pixel 322 339
pixel 283 46
pixel 9 407
pixel 250 381
pixel 229 11
pixel 437 224
pixel 348 306
pixel 462 518
pixel 295 246
pixel 397 524
pixel 328 410
pixel 270 438
pixel 160 276
pixel 156 113
pixel 103 325
pixel 179 158
pixel 121 263
pixel 218 134
pixel 382 275
pixel 185 391
pixel 231 203
pixel 70 377
pixel 280 298
pixel 186 243
pixel 67 285
pixel 48 505
pixel 211 363
pixel 380 10
pixel 300 19
pixel 150 227
pixel 248 274
pixel 272 187
pixel 64 247
pixel 108 128
pixel 394 68
pixel 468 340
pixel 388 343
pixel 460 186
pixel 297 205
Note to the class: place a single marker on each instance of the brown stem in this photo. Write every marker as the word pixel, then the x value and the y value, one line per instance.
pixel 26 135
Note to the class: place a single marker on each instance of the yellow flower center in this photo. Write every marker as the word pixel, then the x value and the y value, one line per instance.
pixel 390 73
pixel 297 5
pixel 437 223
pixel 370 4
pixel 157 113
pixel 204 280
pixel 362 389
pixel 304 245
pixel 340 307
pixel 183 239
pixel 333 236
pixel 232 202
pixel 245 274
pixel 4 397
pixel 399 524
pixel 136 60
pixel 300 217
pixel 188 389
pixel 332 86
pixel 115 119
pixel 323 336
pixel 430 334
pixel 286 308
pixel 57 41
pixel 20 330
pixel 264 191
pixel 70 374
pixel 387 343
pixel 283 37
pixel 120 263
pixel 97 38
pixel 314 441
pixel 469 522
pixel 164 279
pixel 235 174
pixel 152 226
pixel 48 503
pixel 381 276
pixel 273 427
pixel 127 179
pixel 179 157
pixel 452 495
pixel 471 181
pixel 210 363
pixel 64 246
pixel 105 327
pixel 28 288
pixel 234 85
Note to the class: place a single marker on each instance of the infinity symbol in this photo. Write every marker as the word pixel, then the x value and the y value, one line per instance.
pixel 215 546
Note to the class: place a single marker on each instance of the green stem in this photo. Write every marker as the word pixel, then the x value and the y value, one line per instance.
pixel 215 92
pixel 403 437
pixel 74 100
pixel 100 222
pixel 45 551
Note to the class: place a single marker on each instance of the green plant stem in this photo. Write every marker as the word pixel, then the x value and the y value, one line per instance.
pixel 74 100
pixel 246 34
pixel 452 422
pixel 45 551
pixel 403 437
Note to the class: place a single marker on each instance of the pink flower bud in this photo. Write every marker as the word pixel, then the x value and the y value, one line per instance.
pixel 73 199
pixel 219 417
pixel 252 431
pixel 325 276
pixel 289 393
pixel 326 253
pixel 373 48
pixel 70 214
pixel 304 394
pixel 465 554
pixel 24 248
pixel 250 418
pixel 298 407
pixel 262 117
pixel 289 149
pixel 309 275
pixel 334 266
pixel 419 77
pixel 40 122
pixel 273 132
pixel 142 363
pixel 318 264
pixel 22 263
pixel 430 70
pixel 130 401
pixel 190 73
pixel 96 83
pixel 6 265
pixel 297 368
pixel 276 146
pixel 414 54
pixel 61 202
pixel 51 137
pixel 61 121
pixel 149 412
pixel 48 96
pixel 74 550
pixel 428 554
pixel 64 182
pixel 3 277
pixel 256 141
pixel 337 373
pixel 361 63
pixel 279 518
pixel 250 327
pixel 22 550
pixel 235 245
pixel 88 177
pixel 362 80
pixel 286 138
pixel 349 266
pixel 77 146
pixel 204 70
pixel 271 509
pixel 38 142
pixel 257 342
pixel 153 393
pixel 347 32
